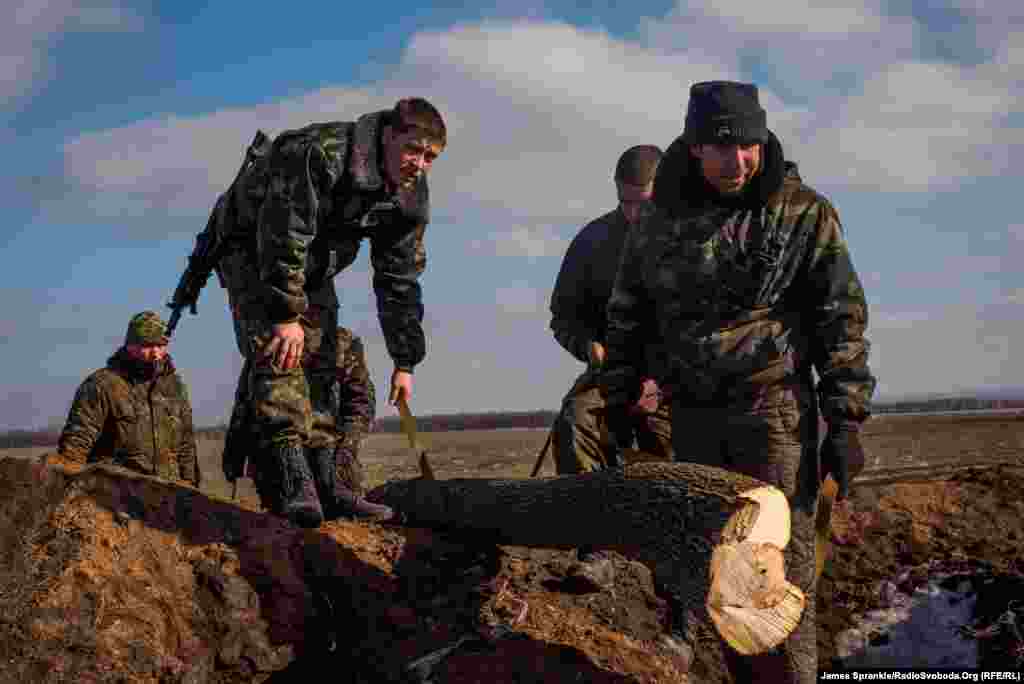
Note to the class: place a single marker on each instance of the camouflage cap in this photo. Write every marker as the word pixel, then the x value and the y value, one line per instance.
pixel 146 328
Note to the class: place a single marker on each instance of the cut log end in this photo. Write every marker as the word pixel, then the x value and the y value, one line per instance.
pixel 751 603
pixel 770 521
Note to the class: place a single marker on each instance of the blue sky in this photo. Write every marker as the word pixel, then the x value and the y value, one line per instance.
pixel 123 121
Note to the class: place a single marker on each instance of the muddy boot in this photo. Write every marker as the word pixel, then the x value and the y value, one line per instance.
pixel 349 468
pixel 593 572
pixel 350 505
pixel 339 499
pixel 288 490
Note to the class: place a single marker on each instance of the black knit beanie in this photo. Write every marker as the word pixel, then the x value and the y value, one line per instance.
pixel 724 112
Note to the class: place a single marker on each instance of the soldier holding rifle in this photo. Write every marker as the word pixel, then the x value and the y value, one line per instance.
pixel 296 216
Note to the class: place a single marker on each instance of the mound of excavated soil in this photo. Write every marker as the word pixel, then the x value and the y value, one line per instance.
pixel 108 576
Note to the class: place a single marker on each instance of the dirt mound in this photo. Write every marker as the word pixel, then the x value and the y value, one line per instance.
pixel 892 537
pixel 109 576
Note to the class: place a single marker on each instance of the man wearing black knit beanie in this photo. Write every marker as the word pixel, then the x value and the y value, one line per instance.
pixel 744 274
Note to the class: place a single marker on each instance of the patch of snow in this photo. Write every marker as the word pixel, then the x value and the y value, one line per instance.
pixel 920 630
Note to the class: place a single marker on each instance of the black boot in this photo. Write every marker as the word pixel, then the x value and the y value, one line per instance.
pixel 288 488
pixel 339 500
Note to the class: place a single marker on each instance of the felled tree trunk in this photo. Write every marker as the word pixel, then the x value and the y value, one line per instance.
pixel 711 537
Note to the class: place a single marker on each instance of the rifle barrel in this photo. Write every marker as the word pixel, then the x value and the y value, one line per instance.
pixel 172 323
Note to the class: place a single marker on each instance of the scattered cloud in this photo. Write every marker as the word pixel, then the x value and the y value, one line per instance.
pixel 522 241
pixel 31 27
pixel 520 299
pixel 939 350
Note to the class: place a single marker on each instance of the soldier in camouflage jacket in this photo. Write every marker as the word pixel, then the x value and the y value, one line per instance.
pixel 135 412
pixel 579 437
pixel 744 276
pixel 294 221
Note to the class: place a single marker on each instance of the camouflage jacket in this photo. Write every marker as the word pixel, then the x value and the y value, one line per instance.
pixel 743 293
pixel 119 416
pixel 358 400
pixel 298 218
pixel 584 284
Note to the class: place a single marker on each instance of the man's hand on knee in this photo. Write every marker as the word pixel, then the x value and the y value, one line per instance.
pixel 285 347
pixel 401 386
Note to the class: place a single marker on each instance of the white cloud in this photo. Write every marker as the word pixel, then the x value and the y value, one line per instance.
pixel 520 299
pixel 801 43
pixel 942 350
pixel 531 135
pixel 1015 296
pixel 29 28
pixel 917 127
pixel 793 16
pixel 522 241
pixel 538 113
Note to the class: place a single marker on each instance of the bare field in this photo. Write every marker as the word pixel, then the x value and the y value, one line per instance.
pixel 891 441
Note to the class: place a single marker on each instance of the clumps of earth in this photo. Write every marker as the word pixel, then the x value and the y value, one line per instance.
pixel 108 576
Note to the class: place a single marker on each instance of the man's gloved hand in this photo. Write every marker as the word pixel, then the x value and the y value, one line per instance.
pixel 842 455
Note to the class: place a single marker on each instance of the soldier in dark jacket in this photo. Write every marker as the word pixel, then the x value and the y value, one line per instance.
pixel 744 275
pixel 135 412
pixel 579 437
pixel 295 220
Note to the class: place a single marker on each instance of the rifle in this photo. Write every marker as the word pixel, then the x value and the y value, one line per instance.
pixel 210 244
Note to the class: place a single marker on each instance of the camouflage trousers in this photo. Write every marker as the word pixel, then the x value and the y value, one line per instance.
pixel 774 437
pixel 328 402
pixel 580 439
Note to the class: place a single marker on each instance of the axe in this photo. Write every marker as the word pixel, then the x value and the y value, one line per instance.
pixel 823 523
pixel 408 424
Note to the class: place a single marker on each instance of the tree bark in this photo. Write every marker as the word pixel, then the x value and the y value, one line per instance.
pixel 713 539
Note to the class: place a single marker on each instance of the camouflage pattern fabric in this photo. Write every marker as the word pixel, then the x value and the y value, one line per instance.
pixel 741 297
pixel 342 404
pixel 146 328
pixel 773 437
pixel 325 195
pixel 580 441
pixel 357 409
pixel 293 221
pixel 748 296
pixel 123 415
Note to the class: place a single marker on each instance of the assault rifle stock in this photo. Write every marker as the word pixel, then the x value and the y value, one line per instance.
pixel 201 263
pixel 210 245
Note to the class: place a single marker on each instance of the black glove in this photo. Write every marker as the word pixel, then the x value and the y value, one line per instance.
pixel 842 455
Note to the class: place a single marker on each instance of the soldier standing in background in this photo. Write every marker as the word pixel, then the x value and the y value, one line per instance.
pixel 744 274
pixel 135 412
pixel 579 437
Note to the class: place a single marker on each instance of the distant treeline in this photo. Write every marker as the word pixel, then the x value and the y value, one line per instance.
pixel 497 420
pixel 949 404
pixel 453 422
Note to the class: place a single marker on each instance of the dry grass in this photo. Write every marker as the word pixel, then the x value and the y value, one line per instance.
pixel 889 440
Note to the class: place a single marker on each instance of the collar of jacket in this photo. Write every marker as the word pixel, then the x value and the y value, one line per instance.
pixel 679 184
pixel 366 156
pixel 139 371
pixel 366 166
